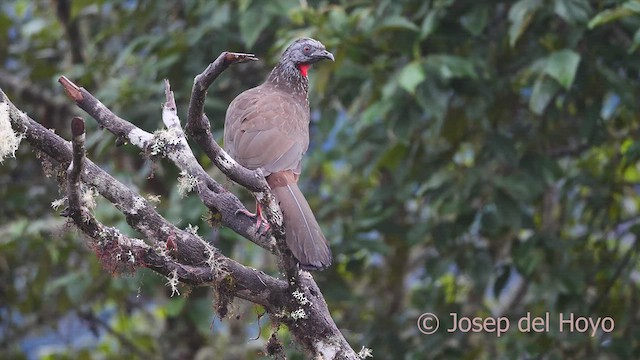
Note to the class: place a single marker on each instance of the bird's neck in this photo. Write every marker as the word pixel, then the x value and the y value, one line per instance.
pixel 287 77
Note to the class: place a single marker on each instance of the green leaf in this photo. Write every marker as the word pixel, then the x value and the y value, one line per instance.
pixel 435 181
pixel 429 24
pixel 373 114
pixel 21 8
pixel 450 66
pixel 629 8
pixel 393 157
pixel 74 284
pixel 573 11
pixel 633 5
pixel 562 66
pixel 243 5
pixel 252 23
pixel 636 41
pixel 60 282
pixel 199 309
pixel 503 148
pixel 338 19
pixel 521 186
pixel 411 76
pixel 434 101
pixel 175 305
pixel 520 15
pixel 631 149
pixel 527 257
pixel 34 26
pixel 544 90
pixel 476 20
pixel 544 169
pixel 398 23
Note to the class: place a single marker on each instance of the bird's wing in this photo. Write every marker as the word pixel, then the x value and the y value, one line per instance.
pixel 267 129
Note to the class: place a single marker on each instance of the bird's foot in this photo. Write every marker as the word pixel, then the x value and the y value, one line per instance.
pixel 260 219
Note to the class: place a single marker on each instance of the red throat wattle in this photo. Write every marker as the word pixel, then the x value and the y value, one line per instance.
pixel 304 68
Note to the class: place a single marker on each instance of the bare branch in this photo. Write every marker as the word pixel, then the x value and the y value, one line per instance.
pixel 122 129
pixel 213 195
pixel 190 260
pixel 311 311
pixel 172 144
pixel 75 169
pixel 297 302
pixel 199 128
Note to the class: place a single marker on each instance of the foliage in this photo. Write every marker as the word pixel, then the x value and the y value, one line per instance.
pixel 479 158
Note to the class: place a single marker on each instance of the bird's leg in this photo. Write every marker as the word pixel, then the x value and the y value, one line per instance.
pixel 258 215
pixel 261 218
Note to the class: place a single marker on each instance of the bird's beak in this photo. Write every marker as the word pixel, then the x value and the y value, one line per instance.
pixel 323 54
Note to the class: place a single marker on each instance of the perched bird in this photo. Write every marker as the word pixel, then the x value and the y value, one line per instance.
pixel 267 127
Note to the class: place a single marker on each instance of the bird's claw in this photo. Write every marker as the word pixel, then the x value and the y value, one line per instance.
pixel 259 216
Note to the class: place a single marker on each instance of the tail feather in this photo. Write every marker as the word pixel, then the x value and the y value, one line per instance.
pixel 303 234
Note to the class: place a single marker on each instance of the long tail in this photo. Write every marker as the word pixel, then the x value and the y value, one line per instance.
pixel 304 237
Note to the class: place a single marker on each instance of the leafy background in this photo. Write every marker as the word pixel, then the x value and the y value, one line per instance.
pixel 471 157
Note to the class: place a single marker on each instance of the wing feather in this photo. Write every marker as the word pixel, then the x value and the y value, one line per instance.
pixel 266 128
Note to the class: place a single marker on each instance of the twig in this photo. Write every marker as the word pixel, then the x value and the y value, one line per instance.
pixel 122 129
pixel 75 169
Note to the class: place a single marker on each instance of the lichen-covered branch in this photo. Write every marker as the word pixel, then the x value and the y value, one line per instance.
pixel 189 259
pixel 171 144
pixel 75 170
pixel 180 255
pixel 199 129
pixel 308 318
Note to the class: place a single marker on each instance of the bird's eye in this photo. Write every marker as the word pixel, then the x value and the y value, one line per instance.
pixel 306 49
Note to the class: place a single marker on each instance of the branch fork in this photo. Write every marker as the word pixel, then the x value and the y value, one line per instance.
pixel 180 254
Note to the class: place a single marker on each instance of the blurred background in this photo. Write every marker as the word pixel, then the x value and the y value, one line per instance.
pixel 477 158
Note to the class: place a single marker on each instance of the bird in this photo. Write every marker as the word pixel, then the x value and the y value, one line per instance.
pixel 267 128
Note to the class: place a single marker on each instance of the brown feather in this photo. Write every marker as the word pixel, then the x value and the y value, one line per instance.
pixel 303 234
pixel 267 127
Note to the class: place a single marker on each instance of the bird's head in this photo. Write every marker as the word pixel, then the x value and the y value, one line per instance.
pixel 304 52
